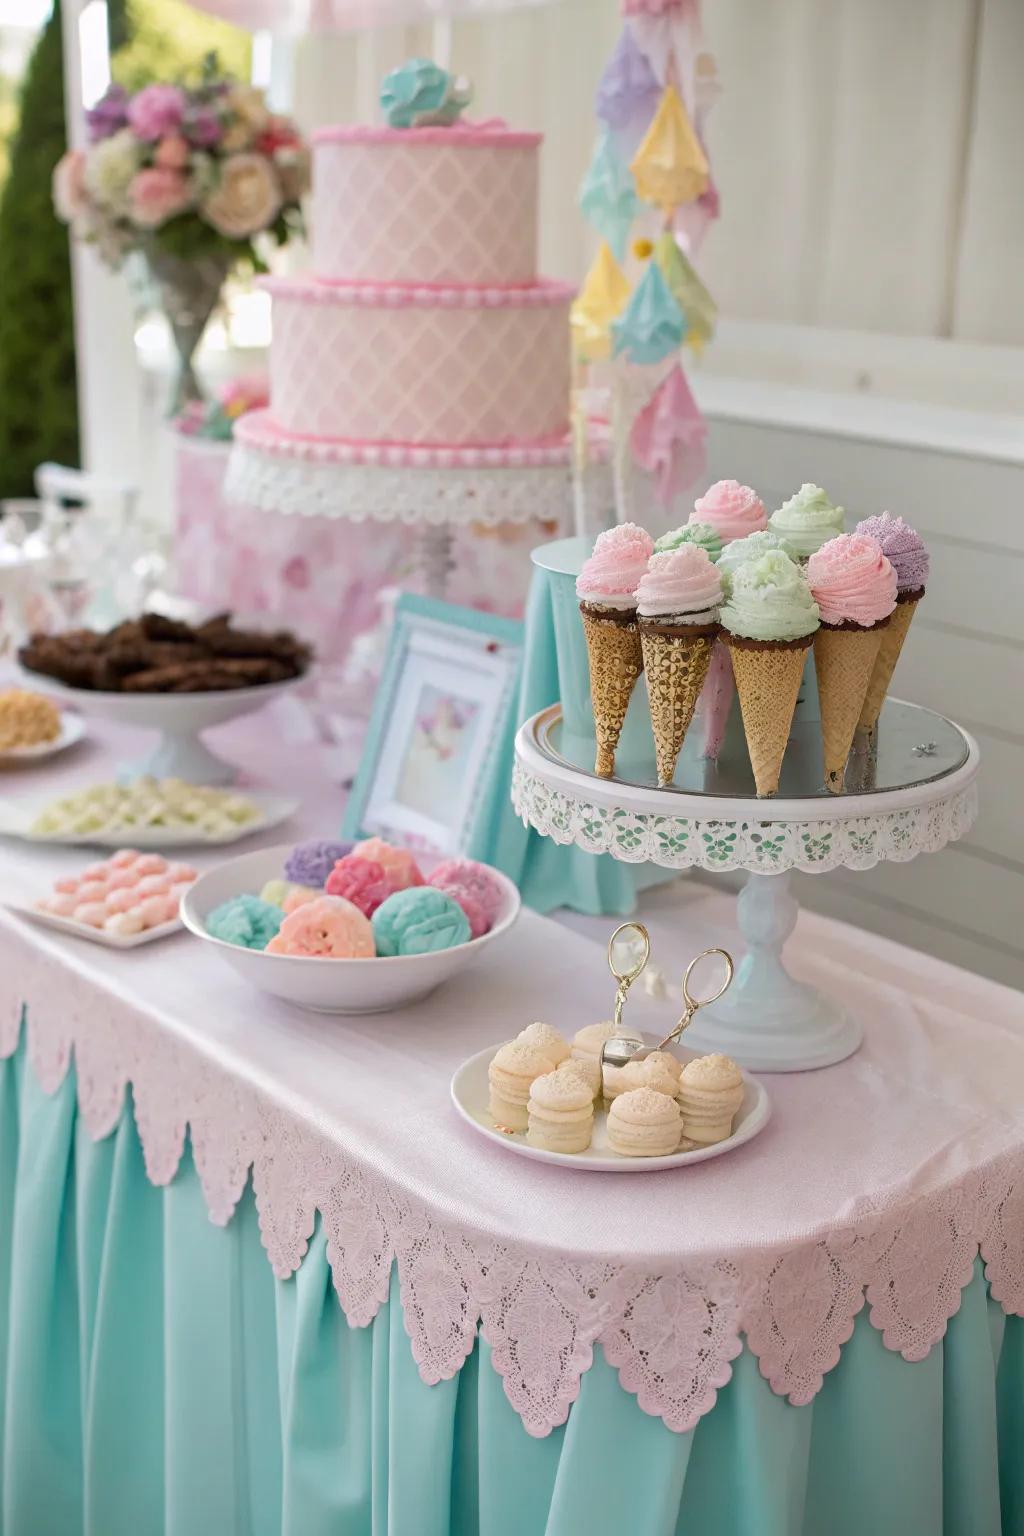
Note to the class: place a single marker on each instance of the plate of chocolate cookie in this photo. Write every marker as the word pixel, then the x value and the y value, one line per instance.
pixel 160 674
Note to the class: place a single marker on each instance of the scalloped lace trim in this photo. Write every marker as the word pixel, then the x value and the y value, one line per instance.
pixel 672 1336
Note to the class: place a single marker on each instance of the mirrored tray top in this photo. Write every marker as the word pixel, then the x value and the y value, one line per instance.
pixel 915 746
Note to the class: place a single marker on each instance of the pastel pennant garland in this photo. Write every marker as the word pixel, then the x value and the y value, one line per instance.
pixel 696 303
pixel 628 90
pixel 652 324
pixel 607 196
pixel 601 299
pixel 668 438
pixel 670 167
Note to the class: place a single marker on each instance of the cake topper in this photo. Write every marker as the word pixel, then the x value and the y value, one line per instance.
pixel 419 93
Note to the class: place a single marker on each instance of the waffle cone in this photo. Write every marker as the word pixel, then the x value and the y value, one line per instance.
pixel 768 676
pixel 844 660
pixel 893 637
pixel 676 660
pixel 616 661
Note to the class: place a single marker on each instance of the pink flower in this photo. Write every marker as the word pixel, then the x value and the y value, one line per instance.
pixel 157 195
pixel 69 195
pixel 172 152
pixel 247 198
pixel 156 110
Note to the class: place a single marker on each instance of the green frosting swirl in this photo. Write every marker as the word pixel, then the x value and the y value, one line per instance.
pixel 702 534
pixel 770 600
pixel 807 521
pixel 740 551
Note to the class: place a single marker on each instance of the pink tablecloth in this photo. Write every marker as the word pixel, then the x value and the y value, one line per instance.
pixel 880 1177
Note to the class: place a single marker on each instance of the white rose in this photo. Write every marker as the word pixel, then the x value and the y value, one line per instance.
pixel 246 199
pixel 109 169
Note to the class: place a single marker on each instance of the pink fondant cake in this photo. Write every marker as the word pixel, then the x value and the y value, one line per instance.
pixel 424 322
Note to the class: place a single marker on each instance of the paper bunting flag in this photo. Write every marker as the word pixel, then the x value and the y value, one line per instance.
pixel 652 324
pixel 602 297
pixel 628 91
pixel 607 197
pixel 692 222
pixel 697 305
pixel 670 167
pixel 668 437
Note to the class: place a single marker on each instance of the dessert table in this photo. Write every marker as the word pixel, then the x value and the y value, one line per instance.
pixel 256 1276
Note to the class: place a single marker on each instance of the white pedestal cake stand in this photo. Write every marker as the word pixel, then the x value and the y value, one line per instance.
pixel 925 770
pixel 431 489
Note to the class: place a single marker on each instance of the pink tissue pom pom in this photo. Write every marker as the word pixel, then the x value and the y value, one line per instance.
pixel 92 913
pixel 123 857
pixel 150 864
pixel 124 923
pixel 362 881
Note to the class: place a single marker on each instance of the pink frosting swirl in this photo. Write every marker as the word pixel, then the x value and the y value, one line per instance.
pixel 852 581
pixel 614 569
pixel 681 581
pixel 733 510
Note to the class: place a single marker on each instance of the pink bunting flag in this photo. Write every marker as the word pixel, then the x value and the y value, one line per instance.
pixel 668 437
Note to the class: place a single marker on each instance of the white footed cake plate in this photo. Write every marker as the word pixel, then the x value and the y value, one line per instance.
pixel 470 1092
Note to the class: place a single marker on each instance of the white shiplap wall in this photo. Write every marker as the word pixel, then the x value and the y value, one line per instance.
pixel 964 656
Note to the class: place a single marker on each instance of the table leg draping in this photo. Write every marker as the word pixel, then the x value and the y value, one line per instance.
pixel 158 1378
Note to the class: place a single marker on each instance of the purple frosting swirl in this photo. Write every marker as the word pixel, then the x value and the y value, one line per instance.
pixel 901 546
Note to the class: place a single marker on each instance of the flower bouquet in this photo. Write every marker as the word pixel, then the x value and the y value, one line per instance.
pixel 188 176
pixel 214 420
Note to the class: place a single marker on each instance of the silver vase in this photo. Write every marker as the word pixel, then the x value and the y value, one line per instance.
pixel 189 292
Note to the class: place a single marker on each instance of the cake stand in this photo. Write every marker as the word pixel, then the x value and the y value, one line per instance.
pixel 913 794
pixel 432 489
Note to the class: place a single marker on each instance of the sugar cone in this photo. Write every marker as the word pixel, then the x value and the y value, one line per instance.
pixel 768 675
pixel 893 637
pixel 616 661
pixel 676 660
pixel 844 660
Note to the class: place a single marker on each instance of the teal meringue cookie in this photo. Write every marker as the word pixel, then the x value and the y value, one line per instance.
pixel 419 921
pixel 245 920
pixel 420 93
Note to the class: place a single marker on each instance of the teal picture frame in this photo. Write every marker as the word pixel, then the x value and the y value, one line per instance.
pixel 455 805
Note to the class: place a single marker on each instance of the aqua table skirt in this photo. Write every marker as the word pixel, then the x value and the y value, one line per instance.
pixel 158 1378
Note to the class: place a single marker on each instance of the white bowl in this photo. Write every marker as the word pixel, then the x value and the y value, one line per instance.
pixel 330 986
pixel 179 717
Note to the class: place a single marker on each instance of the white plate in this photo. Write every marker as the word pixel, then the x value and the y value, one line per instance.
pixel 96 935
pixel 16 817
pixel 72 729
pixel 470 1093
pixel 323 985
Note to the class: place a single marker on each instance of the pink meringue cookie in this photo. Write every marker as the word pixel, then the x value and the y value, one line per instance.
pixel 733 510
pixel 362 881
pixel 123 857
pixel 329 928
pixel 67 884
pixel 92 913
pixel 465 878
pixel 852 581
pixel 156 910
pixel 150 864
pixel 61 904
pixel 398 863
pixel 92 890
pixel 122 878
pixel 98 871
pixel 611 574
pixel 124 924
pixel 121 900
pixel 153 885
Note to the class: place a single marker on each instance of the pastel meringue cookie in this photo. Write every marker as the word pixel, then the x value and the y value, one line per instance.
pixel 362 881
pixel 417 921
pixel 680 586
pixel 124 924
pixel 398 863
pixel 123 857
pixel 297 897
pixel 705 535
pixel 61 903
pixel 852 582
pixel 659 1071
pixel 513 1070
pixel 903 547
pixel 644 1123
pixel 328 928
pixel 588 1042
pixel 244 920
pixel 475 887
pixel 610 576
pixel 121 899
pixel 560 1113
pixel 710 1093
pixel 310 863
pixel 807 521
pixel 733 510
pixel 92 913
pixel 588 1072
pixel 548 1039
pixel 769 599
pixel 280 892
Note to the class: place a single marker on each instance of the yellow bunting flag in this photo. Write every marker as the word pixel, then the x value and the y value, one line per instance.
pixel 600 300
pixel 689 292
pixel 670 167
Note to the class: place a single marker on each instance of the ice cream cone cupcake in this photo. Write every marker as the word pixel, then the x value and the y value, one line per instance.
pixel 606 588
pixel 677 608
pixel 768 625
pixel 905 551
pixel 854 587
pixel 806 521
pixel 733 510
pixel 710 1093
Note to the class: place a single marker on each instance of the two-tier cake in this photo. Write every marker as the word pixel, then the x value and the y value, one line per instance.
pixel 424 337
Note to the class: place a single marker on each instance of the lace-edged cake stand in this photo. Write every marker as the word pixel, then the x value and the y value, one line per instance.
pixel 433 489
pixel 914 794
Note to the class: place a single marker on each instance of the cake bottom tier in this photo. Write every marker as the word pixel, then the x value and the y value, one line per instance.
pixel 420 366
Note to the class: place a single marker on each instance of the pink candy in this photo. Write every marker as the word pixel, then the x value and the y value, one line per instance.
pixel 181 873
pixel 123 857
pixel 67 884
pixel 155 910
pixel 62 904
pixel 121 879
pixel 121 900
pixel 92 890
pixel 153 885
